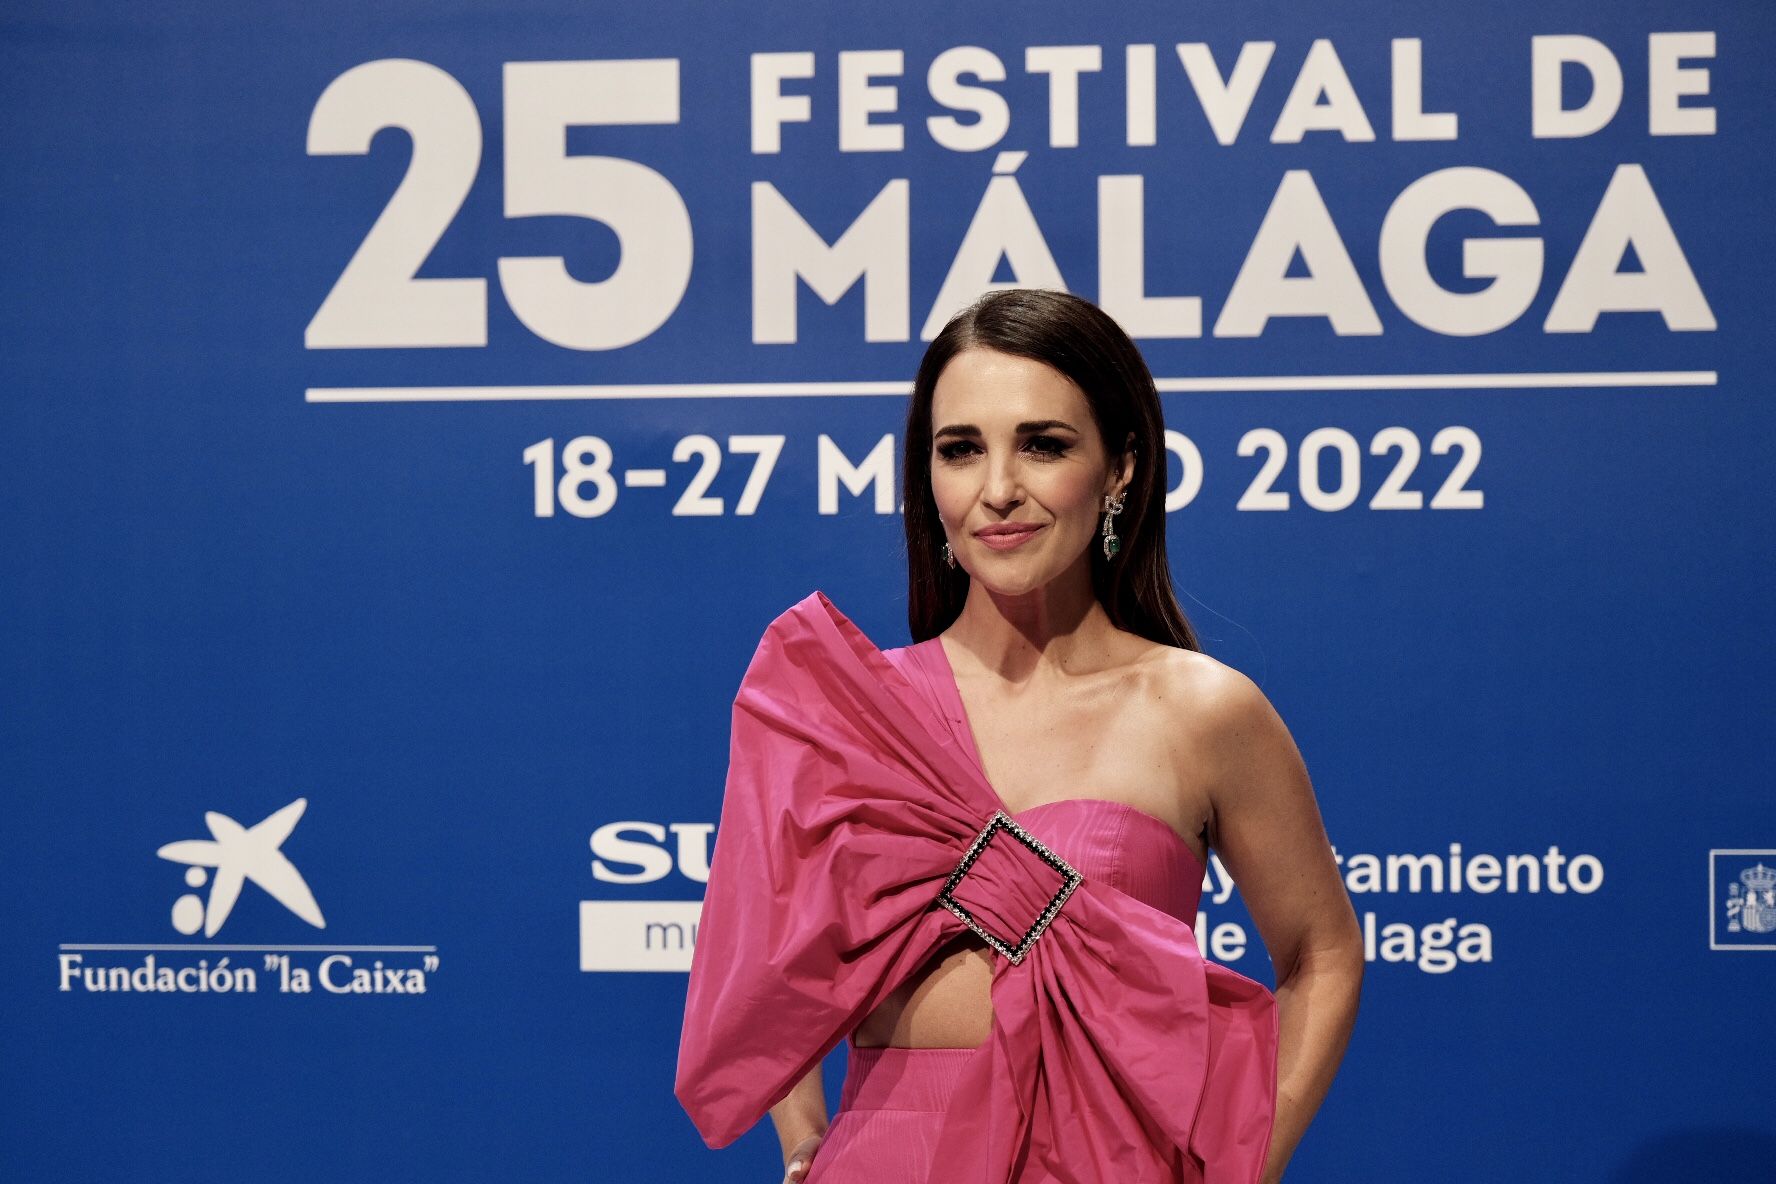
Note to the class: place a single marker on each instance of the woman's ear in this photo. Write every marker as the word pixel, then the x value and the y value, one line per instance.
pixel 1125 466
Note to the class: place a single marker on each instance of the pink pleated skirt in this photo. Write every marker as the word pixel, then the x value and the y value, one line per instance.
pixel 891 1107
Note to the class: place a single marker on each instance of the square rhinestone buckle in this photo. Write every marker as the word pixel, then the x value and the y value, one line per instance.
pixel 1070 879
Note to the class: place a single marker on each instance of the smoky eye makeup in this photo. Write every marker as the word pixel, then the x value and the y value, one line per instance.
pixel 1042 445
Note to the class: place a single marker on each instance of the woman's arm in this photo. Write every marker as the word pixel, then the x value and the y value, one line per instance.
pixel 800 1115
pixel 1266 828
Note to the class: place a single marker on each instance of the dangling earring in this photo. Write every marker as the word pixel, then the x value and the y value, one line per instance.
pixel 1112 507
pixel 949 555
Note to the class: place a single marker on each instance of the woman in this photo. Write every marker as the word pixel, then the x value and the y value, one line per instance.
pixel 1053 663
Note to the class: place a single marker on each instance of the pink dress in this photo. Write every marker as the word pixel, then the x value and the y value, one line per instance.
pixel 841 864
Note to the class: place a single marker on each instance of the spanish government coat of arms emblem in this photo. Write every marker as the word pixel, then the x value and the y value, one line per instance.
pixel 1742 900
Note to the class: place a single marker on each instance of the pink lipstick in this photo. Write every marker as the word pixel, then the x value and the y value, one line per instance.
pixel 1006 536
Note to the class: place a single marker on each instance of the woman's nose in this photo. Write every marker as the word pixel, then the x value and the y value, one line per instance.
pixel 1002 486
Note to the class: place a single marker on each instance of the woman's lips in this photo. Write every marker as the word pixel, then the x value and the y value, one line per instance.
pixel 1005 541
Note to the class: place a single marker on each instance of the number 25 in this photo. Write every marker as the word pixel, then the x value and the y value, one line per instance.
pixel 377 303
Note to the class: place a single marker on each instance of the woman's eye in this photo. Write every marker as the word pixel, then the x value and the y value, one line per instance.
pixel 1047 446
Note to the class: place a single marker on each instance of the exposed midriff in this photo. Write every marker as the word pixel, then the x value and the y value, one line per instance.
pixel 947 1003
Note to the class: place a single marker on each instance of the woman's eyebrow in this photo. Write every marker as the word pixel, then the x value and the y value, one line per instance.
pixel 1023 429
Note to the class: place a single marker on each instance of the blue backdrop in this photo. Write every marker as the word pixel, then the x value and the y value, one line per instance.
pixel 413 414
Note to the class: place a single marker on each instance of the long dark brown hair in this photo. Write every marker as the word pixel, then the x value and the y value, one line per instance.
pixel 1077 338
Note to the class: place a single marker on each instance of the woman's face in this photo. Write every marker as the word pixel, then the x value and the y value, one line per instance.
pixel 1014 443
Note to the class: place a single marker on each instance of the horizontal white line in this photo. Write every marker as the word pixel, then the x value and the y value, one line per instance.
pixel 659 390
pixel 788 390
pixel 206 946
pixel 1432 382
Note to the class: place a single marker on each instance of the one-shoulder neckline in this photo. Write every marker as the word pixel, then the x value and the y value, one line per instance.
pixel 953 692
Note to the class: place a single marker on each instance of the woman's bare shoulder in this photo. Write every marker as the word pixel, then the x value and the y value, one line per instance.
pixel 1219 704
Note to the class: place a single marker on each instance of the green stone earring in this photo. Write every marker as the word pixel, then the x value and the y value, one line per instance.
pixel 1112 507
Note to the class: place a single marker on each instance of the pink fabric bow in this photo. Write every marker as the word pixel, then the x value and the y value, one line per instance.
pixel 1117 1052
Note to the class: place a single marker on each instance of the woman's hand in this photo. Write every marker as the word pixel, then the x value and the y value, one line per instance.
pixel 802 1159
